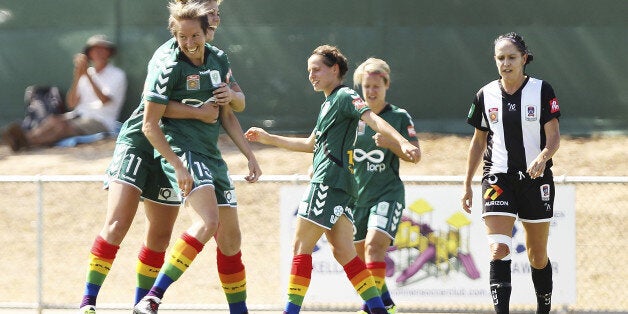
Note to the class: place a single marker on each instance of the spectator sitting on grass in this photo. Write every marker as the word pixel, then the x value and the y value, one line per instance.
pixel 95 100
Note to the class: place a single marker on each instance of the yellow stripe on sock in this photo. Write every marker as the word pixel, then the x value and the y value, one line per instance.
pixel 147 270
pixel 99 265
pixel 297 289
pixel 234 287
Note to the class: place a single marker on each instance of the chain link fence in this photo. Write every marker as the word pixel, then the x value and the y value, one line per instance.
pixel 48 223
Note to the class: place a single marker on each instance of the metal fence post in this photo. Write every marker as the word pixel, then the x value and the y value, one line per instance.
pixel 40 243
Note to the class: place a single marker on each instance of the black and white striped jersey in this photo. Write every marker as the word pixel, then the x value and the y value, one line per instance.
pixel 514 123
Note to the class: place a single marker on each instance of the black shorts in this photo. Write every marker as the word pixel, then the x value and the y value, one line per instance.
pixel 517 195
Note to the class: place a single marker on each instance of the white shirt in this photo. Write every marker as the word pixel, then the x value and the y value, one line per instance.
pixel 112 82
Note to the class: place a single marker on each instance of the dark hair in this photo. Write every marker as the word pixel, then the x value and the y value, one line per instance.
pixel 518 42
pixel 332 55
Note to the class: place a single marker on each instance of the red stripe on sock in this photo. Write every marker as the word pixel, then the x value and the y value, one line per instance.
pixel 354 267
pixel 150 257
pixel 229 264
pixel 104 249
pixel 375 265
pixel 192 241
pixel 302 265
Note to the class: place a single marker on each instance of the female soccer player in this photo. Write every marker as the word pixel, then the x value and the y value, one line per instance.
pixel 188 148
pixel 326 206
pixel 516 129
pixel 380 195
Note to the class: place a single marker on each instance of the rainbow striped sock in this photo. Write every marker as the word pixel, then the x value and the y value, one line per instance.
pixel 364 284
pixel 386 298
pixel 378 271
pixel 300 276
pixel 233 279
pixel 149 263
pixel 101 256
pixel 183 253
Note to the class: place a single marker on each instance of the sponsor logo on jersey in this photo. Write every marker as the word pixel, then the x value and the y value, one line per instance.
pixel 396 216
pixel 193 82
pixel 554 107
pixel 493 192
pixel 375 156
pixel 496 203
pixel 531 113
pixel 471 111
pixel 373 159
pixel 545 192
pixel 214 75
pixel 168 194
pixel 382 208
pixel 228 78
pixel 411 131
pixel 160 87
pixel 230 196
pixel 361 127
pixel 338 210
pixel 493 115
pixel 319 199
pixel 358 103
pixel 491 179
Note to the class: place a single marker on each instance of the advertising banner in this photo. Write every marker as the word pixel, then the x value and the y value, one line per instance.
pixel 440 253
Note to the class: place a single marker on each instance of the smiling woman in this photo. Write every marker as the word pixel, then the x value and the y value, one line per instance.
pixel 188 150
pixel 183 68
pixel 326 206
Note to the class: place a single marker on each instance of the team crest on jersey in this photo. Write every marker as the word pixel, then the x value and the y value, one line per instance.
pixel 193 82
pixel 531 114
pixel 358 103
pixel 554 107
pixel 493 115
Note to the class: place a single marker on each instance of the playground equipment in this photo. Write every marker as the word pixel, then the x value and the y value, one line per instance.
pixel 418 246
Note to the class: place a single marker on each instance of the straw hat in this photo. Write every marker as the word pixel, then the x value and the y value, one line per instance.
pixel 99 40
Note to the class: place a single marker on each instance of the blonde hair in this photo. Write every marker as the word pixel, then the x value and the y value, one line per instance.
pixel 199 1
pixel 181 10
pixel 372 66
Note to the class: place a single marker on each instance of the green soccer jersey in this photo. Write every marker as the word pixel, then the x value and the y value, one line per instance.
pixel 335 136
pixel 376 168
pixel 131 131
pixel 171 76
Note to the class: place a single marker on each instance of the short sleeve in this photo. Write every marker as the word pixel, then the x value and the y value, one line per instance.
pixel 475 117
pixel 351 104
pixel 550 108
pixel 406 127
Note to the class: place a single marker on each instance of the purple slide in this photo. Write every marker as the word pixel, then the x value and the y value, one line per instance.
pixel 469 265
pixel 390 266
pixel 418 263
